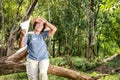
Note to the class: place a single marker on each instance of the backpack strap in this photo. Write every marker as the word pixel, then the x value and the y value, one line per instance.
pixel 29 38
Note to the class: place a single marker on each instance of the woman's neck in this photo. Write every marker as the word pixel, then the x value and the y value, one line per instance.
pixel 36 32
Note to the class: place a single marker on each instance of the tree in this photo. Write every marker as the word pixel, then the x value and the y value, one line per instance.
pixel 15 32
pixel 2 41
pixel 90 42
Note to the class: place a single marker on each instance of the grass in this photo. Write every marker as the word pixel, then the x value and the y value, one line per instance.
pixel 111 77
pixel 23 76
pixel 14 76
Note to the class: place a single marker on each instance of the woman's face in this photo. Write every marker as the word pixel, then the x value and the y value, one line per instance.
pixel 39 26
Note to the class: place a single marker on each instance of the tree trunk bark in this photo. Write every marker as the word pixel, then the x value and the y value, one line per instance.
pixel 78 43
pixel 98 45
pixel 2 21
pixel 11 64
pixel 91 28
pixel 87 43
pixel 14 33
pixel 79 30
pixel 59 47
pixel 53 48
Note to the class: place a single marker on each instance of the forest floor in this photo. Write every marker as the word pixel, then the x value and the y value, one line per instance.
pixel 107 71
pixel 109 67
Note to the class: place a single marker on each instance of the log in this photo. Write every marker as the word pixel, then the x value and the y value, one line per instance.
pixel 11 67
pixel 18 55
pixel 116 70
pixel 71 74
pixel 11 64
pixel 110 58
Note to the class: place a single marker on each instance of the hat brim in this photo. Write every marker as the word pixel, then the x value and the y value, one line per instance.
pixel 32 21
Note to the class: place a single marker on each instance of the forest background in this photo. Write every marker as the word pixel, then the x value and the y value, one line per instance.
pixel 87 29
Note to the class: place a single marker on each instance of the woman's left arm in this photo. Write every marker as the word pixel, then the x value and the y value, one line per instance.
pixel 52 28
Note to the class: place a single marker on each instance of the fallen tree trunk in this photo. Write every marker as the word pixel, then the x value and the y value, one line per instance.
pixel 11 67
pixel 116 70
pixel 74 75
pixel 18 55
pixel 104 69
pixel 11 64
pixel 110 58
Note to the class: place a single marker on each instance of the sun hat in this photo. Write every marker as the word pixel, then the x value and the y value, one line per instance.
pixel 32 21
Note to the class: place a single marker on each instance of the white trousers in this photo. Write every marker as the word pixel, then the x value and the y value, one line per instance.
pixel 37 70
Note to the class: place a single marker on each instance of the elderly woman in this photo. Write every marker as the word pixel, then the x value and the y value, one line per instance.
pixel 38 56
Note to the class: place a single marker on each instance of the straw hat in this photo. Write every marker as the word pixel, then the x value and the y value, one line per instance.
pixel 34 20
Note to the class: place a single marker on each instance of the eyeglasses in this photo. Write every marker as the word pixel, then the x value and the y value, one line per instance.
pixel 39 24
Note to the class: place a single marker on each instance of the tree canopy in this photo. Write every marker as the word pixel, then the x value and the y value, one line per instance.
pixel 74 21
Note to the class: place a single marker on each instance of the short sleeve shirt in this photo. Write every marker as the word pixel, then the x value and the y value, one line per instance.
pixel 37 48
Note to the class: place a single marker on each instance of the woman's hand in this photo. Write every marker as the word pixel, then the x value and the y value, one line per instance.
pixel 21 42
pixel 42 20
pixel 23 32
